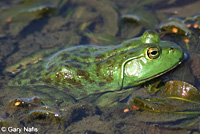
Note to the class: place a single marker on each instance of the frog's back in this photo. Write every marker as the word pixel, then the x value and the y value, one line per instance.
pixel 79 71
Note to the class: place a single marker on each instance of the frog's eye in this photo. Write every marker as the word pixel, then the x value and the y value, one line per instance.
pixel 153 52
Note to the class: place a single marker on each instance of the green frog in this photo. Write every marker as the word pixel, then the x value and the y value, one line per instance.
pixel 88 70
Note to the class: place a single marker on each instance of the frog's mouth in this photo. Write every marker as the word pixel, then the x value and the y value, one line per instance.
pixel 157 75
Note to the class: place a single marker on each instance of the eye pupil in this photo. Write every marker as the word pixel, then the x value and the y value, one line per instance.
pixel 154 52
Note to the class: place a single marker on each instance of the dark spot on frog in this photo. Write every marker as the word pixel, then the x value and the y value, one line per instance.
pixel 75 65
pixel 83 73
pixel 131 53
pixel 73 81
pixel 129 44
pixel 116 49
pixel 109 79
pixel 84 94
pixel 98 67
pixel 98 73
pixel 86 49
pixel 97 64
pixel 67 89
pixel 19 67
pixel 67 66
pixel 38 75
pixel 97 91
pixel 85 57
pixel 50 67
pixel 64 56
pixel 99 57
pixel 123 52
pixel 101 84
pixel 19 82
pixel 75 59
pixel 47 73
pixel 83 51
pixel 39 68
pixel 91 81
pixel 108 62
pixel 76 54
pixel 26 75
pixel 102 56
pixel 120 65
pixel 56 84
pixel 32 81
pixel 79 86
pixel 47 80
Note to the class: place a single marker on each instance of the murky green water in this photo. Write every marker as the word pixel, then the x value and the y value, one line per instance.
pixel 27 27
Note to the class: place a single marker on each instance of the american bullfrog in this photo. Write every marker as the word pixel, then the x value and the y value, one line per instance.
pixel 86 70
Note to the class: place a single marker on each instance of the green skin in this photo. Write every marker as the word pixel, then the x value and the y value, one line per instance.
pixel 84 70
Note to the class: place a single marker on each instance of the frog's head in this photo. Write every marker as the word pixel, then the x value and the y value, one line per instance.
pixel 152 59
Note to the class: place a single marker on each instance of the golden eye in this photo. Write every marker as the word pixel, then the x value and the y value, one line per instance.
pixel 153 52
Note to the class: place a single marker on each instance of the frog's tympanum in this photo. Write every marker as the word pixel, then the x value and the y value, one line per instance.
pixel 84 70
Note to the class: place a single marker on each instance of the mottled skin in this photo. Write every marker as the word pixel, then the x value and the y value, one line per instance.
pixel 84 70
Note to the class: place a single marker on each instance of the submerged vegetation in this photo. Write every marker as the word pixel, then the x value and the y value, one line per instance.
pixel 33 29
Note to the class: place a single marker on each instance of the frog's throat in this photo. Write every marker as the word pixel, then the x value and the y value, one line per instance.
pixel 142 81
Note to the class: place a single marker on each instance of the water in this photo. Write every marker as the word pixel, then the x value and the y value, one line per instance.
pixel 63 23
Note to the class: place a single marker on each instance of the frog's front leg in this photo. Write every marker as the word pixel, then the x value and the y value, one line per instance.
pixel 154 86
